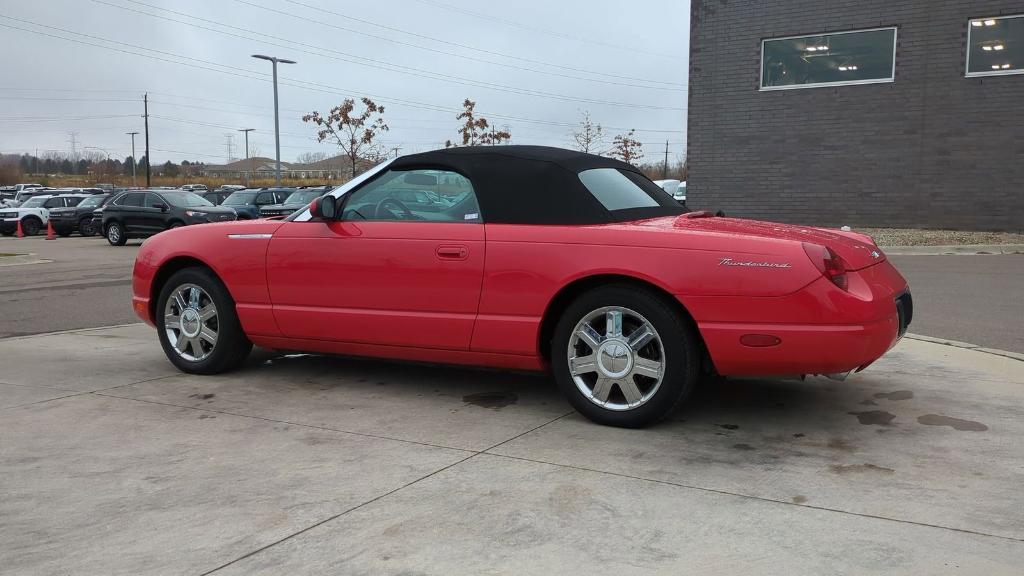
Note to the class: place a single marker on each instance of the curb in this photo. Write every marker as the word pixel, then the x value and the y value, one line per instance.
pixel 72 331
pixel 967 346
pixel 959 249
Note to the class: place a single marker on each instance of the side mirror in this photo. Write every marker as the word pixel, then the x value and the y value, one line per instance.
pixel 324 207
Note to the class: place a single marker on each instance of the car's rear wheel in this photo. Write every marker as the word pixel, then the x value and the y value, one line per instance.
pixel 30 226
pixel 197 323
pixel 115 234
pixel 85 227
pixel 624 356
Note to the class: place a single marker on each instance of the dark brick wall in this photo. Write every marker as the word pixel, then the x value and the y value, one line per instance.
pixel 933 149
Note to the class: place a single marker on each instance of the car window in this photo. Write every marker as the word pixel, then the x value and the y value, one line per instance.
pixel 264 198
pixel 73 201
pixel 34 202
pixel 134 199
pixel 304 197
pixel 152 200
pixel 240 198
pixel 54 203
pixel 615 190
pixel 186 199
pixel 91 202
pixel 415 195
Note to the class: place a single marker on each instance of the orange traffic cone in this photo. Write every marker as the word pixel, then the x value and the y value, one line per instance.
pixel 18 233
pixel 49 230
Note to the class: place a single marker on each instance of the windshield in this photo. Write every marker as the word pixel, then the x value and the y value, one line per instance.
pixel 35 202
pixel 304 197
pixel 240 198
pixel 92 201
pixel 186 200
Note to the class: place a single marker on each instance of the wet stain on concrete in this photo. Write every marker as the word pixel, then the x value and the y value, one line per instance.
pixel 202 396
pixel 840 444
pixel 955 423
pixel 799 435
pixel 856 468
pixel 874 417
pixel 868 402
pixel 206 416
pixel 493 400
pixel 729 426
pixel 897 395
pixel 799 499
pixel 744 447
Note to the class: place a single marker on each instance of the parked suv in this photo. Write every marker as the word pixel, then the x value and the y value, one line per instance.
pixel 296 201
pixel 34 213
pixel 21 196
pixel 193 187
pixel 78 218
pixel 247 202
pixel 142 213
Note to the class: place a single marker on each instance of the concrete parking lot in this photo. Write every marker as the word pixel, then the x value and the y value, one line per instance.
pixel 115 463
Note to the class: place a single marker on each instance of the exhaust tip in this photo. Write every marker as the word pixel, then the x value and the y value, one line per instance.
pixel 839 376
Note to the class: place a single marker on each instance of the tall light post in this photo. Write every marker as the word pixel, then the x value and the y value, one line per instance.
pixel 249 173
pixel 277 128
pixel 132 134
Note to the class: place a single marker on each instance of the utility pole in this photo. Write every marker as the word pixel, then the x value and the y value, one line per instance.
pixel 230 143
pixel 145 104
pixel 248 174
pixel 664 169
pixel 132 134
pixel 395 150
pixel 73 139
pixel 277 129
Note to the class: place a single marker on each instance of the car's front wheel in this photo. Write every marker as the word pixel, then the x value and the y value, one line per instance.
pixel 624 356
pixel 30 226
pixel 197 323
pixel 85 227
pixel 115 234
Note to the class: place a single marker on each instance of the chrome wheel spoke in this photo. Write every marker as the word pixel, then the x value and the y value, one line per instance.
pixel 583 364
pixel 589 336
pixel 613 324
pixel 630 391
pixel 197 346
pixel 207 312
pixel 181 344
pixel 641 337
pixel 179 302
pixel 602 388
pixel 208 334
pixel 172 322
pixel 646 367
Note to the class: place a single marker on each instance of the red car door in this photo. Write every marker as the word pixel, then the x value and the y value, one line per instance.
pixel 384 273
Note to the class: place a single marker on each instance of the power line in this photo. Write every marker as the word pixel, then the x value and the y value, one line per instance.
pixel 378 64
pixel 231 70
pixel 554 33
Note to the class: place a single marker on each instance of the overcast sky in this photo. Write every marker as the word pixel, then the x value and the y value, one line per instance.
pixel 82 66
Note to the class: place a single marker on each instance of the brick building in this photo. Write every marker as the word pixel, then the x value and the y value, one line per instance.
pixel 868 113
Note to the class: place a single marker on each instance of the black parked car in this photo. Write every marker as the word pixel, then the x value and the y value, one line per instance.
pixel 296 201
pixel 78 218
pixel 142 213
pixel 247 202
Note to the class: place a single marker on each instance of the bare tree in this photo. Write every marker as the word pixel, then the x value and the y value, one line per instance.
pixel 311 157
pixel 627 148
pixel 353 133
pixel 589 137
pixel 477 131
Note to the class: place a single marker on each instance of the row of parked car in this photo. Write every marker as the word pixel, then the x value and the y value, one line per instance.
pixel 122 214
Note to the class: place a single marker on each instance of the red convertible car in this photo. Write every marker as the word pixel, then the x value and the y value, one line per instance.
pixel 530 258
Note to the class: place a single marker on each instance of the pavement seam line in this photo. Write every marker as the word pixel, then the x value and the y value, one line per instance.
pixel 95 392
pixel 965 346
pixel 72 331
pixel 376 498
pixel 759 498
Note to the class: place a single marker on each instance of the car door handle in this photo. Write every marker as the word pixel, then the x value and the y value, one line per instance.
pixel 452 252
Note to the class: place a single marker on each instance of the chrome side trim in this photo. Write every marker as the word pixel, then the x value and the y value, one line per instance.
pixel 249 236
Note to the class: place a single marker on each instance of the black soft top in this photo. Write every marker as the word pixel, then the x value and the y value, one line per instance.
pixel 537 184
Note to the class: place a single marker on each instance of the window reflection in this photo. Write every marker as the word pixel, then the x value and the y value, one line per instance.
pixel 995 46
pixel 829 59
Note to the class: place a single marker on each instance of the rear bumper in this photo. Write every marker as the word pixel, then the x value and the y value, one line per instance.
pixel 817 330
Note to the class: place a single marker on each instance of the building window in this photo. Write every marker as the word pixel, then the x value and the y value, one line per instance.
pixel 995 46
pixel 837 59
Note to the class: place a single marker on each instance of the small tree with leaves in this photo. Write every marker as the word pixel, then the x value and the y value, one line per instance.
pixel 354 133
pixel 477 131
pixel 589 137
pixel 627 148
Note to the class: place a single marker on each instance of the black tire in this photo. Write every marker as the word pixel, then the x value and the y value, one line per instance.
pixel 175 224
pixel 232 344
pixel 679 342
pixel 30 225
pixel 115 234
pixel 63 232
pixel 85 227
pixel 6 233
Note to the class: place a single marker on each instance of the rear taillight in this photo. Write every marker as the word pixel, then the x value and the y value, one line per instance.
pixel 828 262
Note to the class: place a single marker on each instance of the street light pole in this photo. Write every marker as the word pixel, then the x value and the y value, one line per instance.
pixel 277 128
pixel 132 134
pixel 249 173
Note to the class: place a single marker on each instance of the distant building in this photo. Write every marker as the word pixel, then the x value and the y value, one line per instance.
pixel 335 168
pixel 872 113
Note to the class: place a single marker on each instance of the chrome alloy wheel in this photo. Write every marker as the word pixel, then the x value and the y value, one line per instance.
pixel 191 323
pixel 616 358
